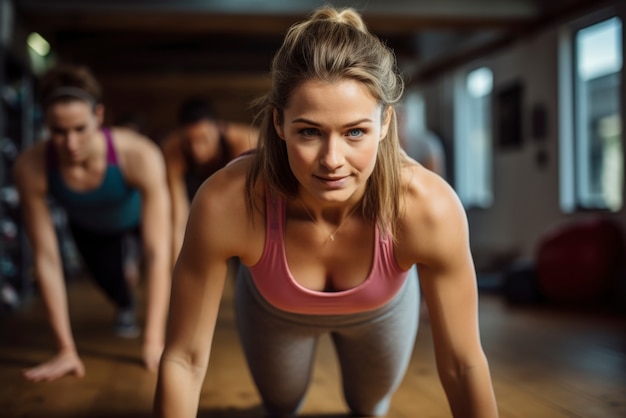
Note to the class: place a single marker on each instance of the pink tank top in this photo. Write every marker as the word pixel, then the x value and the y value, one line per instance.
pixel 275 283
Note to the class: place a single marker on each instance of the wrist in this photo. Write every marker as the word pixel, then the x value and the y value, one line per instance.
pixel 153 338
pixel 68 349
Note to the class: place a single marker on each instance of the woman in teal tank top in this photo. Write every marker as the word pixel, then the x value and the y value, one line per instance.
pixel 111 184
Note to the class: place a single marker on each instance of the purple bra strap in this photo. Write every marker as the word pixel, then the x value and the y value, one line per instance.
pixel 51 156
pixel 111 155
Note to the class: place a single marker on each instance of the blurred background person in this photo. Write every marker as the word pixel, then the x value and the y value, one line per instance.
pixel 200 146
pixel 111 183
pixel 420 143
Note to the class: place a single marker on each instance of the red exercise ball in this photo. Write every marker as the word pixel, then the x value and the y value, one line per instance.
pixel 580 262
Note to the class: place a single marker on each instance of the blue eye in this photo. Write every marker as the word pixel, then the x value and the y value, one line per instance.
pixel 355 133
pixel 309 131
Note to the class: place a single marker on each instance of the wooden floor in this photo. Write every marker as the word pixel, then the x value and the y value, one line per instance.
pixel 545 363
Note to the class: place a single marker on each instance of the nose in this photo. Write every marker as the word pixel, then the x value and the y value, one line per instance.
pixel 332 154
pixel 71 141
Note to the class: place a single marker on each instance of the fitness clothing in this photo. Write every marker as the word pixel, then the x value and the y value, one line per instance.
pixel 102 221
pixel 105 256
pixel 197 173
pixel 112 206
pixel 372 326
pixel 373 348
pixel 274 281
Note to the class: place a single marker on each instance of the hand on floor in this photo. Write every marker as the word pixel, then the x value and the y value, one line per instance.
pixel 63 364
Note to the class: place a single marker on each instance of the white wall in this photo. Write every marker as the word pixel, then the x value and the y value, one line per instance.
pixel 526 197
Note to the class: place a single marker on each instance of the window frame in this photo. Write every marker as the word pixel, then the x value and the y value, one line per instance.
pixel 569 140
pixel 463 182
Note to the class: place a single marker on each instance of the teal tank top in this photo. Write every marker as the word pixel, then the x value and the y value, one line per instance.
pixel 112 207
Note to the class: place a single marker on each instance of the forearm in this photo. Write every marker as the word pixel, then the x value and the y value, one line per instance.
pixel 158 292
pixel 178 235
pixel 178 388
pixel 470 393
pixel 52 288
pixel 180 214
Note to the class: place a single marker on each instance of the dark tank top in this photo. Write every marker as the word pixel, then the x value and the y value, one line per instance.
pixel 113 206
pixel 197 173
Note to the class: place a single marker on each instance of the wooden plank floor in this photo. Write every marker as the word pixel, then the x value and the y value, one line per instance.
pixel 545 363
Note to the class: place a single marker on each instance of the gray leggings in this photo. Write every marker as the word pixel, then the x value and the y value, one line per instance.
pixel 373 348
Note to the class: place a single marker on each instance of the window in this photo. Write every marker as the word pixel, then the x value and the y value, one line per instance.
pixel 593 143
pixel 473 138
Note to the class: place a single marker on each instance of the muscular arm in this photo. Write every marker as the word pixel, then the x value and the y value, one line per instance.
pixel 214 228
pixel 31 184
pixel 448 281
pixel 175 167
pixel 144 167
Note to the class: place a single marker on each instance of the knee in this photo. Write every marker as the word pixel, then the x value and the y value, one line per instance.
pixel 282 409
pixel 369 407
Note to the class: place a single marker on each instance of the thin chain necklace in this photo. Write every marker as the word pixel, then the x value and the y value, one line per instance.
pixel 330 236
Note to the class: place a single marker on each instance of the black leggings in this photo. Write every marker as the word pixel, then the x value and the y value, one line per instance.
pixel 104 257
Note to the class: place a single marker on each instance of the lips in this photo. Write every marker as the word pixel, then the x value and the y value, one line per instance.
pixel 334 182
pixel 331 178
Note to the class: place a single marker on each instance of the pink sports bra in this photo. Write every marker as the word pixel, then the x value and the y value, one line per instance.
pixel 275 283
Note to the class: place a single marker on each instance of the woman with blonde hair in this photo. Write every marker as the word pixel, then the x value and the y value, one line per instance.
pixel 329 218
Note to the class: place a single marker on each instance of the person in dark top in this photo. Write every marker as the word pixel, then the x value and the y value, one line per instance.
pixel 200 146
pixel 111 183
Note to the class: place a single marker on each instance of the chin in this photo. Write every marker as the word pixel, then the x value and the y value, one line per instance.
pixel 337 196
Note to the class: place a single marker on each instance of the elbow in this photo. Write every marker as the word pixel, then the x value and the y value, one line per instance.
pixel 156 256
pixel 188 363
pixel 458 371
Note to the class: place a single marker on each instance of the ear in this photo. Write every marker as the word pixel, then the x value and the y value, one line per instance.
pixel 99 112
pixel 386 121
pixel 278 126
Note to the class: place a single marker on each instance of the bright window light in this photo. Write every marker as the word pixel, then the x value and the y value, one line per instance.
pixel 473 137
pixel 599 49
pixel 480 82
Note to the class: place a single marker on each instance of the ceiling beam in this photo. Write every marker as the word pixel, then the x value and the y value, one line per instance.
pixel 194 23
pixel 431 8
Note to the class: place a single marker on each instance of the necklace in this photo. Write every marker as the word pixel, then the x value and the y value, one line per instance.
pixel 330 236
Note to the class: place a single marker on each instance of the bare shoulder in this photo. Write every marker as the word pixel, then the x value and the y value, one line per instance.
pixel 428 193
pixel 432 213
pixel 224 192
pixel 139 156
pixel 241 128
pixel 220 209
pixel 128 141
pixel 239 132
pixel 131 144
pixel 171 146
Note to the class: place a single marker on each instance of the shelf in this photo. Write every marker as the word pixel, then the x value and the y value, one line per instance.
pixel 16 133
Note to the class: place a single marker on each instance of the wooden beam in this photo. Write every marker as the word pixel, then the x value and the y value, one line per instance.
pixel 198 23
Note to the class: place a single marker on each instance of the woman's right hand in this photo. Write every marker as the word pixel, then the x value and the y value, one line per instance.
pixel 64 363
